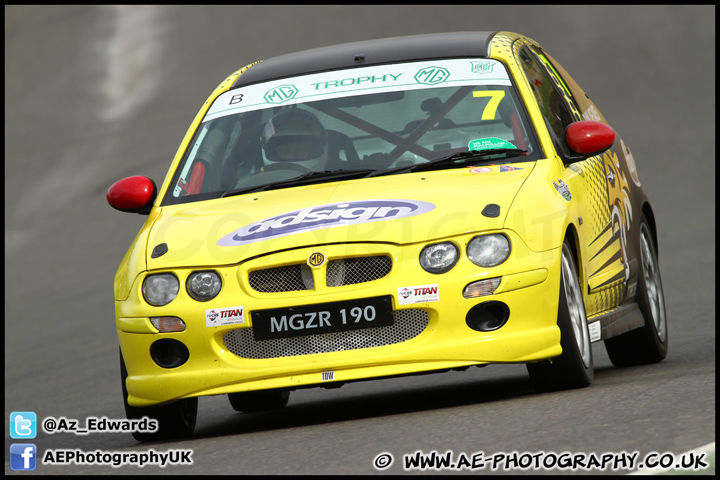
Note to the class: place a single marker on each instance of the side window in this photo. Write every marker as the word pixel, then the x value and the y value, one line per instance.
pixel 202 169
pixel 560 82
pixel 586 109
pixel 550 97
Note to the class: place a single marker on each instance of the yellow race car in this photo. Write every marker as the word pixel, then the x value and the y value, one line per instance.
pixel 383 208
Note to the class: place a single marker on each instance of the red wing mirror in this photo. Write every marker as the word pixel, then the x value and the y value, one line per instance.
pixel 589 138
pixel 132 194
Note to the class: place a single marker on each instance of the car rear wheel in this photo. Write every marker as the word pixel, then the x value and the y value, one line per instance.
pixel 649 343
pixel 259 401
pixel 574 367
pixel 175 420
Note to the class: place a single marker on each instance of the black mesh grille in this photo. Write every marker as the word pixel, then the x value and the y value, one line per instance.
pixel 288 278
pixel 349 271
pixel 339 272
pixel 407 324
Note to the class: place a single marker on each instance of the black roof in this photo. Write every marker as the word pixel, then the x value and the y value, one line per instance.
pixel 369 52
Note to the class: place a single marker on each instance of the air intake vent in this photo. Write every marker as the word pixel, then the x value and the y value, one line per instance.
pixel 288 278
pixel 407 324
pixel 349 271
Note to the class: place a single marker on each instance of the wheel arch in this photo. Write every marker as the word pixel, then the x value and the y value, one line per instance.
pixel 572 235
pixel 650 217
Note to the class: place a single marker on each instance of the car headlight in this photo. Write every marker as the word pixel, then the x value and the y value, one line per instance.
pixel 160 289
pixel 204 286
pixel 488 250
pixel 439 257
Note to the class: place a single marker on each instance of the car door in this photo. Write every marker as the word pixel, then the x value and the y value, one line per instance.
pixel 595 186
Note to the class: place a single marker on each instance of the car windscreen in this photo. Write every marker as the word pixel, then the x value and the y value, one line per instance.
pixel 365 119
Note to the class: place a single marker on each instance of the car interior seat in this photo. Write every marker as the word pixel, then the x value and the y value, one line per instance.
pixel 341 151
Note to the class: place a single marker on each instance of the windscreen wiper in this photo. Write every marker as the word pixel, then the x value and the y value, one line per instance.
pixel 304 179
pixel 459 159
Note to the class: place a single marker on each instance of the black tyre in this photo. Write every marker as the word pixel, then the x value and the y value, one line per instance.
pixel 175 420
pixel 574 367
pixel 259 401
pixel 648 344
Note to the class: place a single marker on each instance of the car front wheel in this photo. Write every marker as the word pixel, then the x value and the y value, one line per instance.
pixel 175 420
pixel 259 401
pixel 649 343
pixel 574 367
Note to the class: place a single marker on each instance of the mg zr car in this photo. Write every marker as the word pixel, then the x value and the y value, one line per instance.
pixel 383 208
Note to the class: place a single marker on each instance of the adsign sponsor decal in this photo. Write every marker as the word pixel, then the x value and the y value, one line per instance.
pixel 325 216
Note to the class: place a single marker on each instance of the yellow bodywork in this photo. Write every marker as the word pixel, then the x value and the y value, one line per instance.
pixel 533 215
pixel 529 286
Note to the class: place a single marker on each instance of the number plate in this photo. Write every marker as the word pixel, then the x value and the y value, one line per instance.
pixel 322 318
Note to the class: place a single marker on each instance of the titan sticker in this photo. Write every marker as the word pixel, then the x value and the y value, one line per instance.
pixel 418 294
pixel 224 316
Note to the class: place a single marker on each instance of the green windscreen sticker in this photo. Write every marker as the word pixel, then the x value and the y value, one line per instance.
pixel 489 144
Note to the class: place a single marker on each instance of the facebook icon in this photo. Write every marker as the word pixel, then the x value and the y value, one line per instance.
pixel 23 456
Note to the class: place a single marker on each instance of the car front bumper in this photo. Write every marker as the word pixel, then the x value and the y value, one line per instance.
pixel 426 336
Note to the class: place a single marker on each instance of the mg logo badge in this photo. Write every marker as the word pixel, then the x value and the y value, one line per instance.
pixel 281 94
pixel 316 259
pixel 432 75
pixel 482 67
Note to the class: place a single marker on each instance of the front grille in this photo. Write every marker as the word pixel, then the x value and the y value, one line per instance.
pixel 339 272
pixel 349 271
pixel 407 324
pixel 288 278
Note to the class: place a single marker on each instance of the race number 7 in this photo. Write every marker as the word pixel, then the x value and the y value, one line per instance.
pixel 492 105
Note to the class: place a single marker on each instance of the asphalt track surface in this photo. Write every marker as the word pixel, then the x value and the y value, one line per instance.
pixel 93 94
